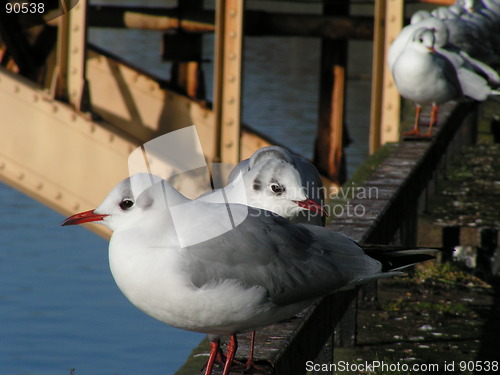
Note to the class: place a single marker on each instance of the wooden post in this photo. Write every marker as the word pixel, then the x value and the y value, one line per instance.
pixel 228 81
pixel 329 156
pixel 185 73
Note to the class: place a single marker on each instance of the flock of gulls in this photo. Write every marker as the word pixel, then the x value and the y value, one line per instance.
pixel 448 54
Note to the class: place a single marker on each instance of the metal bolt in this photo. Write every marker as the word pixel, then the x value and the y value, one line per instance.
pixel 232 34
pixel 20 176
pixel 232 13
pixel 59 196
pixel 39 186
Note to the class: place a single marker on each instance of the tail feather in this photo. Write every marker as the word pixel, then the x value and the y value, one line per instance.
pixel 396 258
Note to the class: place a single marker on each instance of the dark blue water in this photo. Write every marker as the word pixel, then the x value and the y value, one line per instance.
pixel 60 308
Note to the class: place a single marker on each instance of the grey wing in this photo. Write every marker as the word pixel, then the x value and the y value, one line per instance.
pixel 450 75
pixel 292 262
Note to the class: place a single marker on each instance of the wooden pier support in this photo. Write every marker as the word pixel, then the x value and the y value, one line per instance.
pixel 328 155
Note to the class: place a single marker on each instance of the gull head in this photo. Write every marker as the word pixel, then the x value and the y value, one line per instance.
pixel 123 204
pixel 424 40
pixel 275 185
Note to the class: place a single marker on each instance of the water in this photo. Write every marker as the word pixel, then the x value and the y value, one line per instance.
pixel 60 308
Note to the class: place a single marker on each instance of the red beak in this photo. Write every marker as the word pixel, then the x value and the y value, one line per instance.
pixel 83 217
pixel 312 206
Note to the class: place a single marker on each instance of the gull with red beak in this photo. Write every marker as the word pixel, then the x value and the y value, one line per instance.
pixel 267 167
pixel 426 73
pixel 263 270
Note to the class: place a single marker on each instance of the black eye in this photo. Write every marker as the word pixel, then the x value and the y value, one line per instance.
pixel 126 204
pixel 278 189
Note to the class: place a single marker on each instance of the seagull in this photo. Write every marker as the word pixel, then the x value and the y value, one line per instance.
pixel 424 76
pixel 265 269
pixel 268 161
pixel 274 180
pixel 425 73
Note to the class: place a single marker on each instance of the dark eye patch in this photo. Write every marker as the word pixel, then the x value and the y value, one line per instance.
pixel 257 184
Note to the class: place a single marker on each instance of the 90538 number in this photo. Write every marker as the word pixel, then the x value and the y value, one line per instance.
pixel 25 8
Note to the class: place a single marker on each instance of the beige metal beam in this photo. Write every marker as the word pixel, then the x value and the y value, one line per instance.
pixel 54 154
pixel 391 101
pixel 228 80
pixel 77 49
pixel 386 102
pixel 139 106
pixel 69 81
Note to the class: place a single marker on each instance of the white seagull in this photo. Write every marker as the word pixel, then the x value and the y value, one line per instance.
pixel 427 74
pixel 309 176
pixel 263 270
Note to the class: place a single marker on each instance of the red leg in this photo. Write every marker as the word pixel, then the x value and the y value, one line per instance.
pixel 434 115
pixel 415 130
pixel 250 364
pixel 214 352
pixel 231 351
